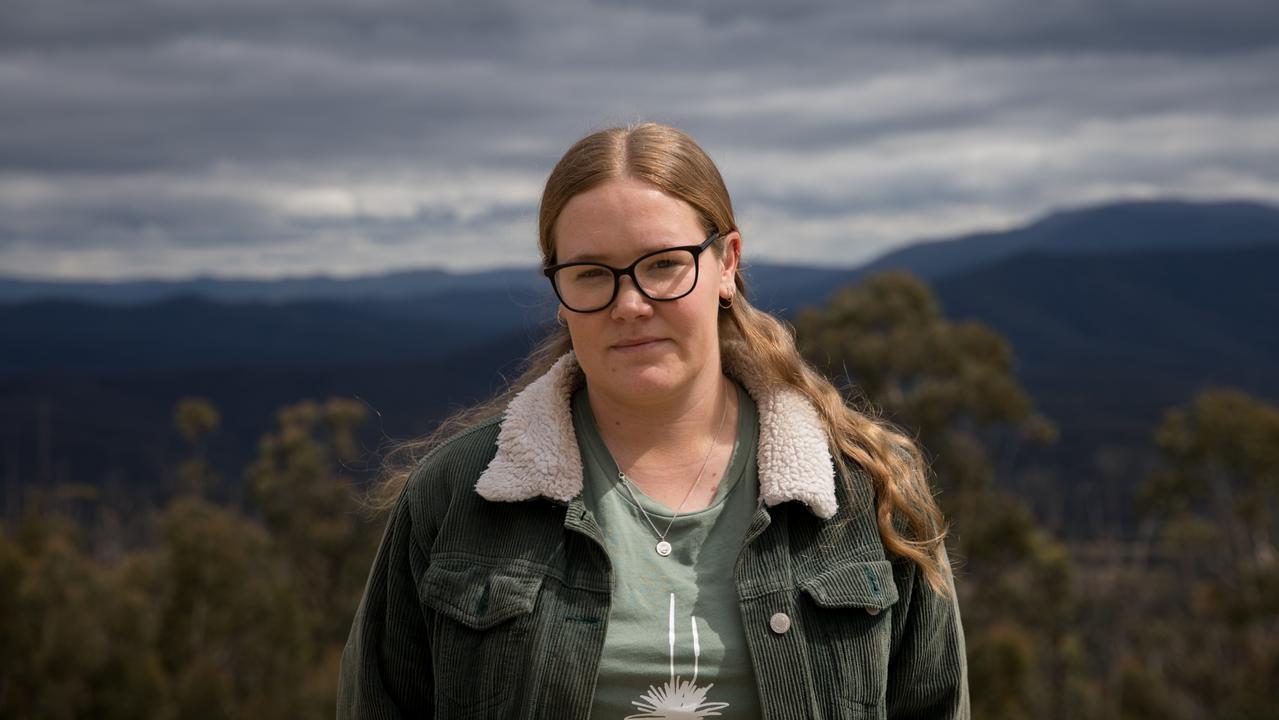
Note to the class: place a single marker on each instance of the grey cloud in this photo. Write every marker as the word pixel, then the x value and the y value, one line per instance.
pixel 137 233
pixel 1016 26
pixel 79 25
pixel 128 220
pixel 186 84
pixel 318 95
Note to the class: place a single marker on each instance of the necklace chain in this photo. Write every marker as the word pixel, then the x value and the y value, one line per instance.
pixel 664 547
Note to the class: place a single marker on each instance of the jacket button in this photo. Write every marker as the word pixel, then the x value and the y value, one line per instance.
pixel 780 623
pixel 872 610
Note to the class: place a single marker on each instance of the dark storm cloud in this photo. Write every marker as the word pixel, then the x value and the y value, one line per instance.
pixel 219 130
pixel 90 25
pixel 1018 26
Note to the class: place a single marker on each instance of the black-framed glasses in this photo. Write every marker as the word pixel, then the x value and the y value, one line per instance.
pixel 666 274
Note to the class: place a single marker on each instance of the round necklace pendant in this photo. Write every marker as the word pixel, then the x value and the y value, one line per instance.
pixel 663 548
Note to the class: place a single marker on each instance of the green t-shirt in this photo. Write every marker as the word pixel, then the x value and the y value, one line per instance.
pixel 675 645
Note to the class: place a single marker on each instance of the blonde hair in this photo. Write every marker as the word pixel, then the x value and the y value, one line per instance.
pixel 669 159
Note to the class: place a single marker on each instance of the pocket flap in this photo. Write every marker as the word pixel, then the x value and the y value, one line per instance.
pixel 864 584
pixel 479 596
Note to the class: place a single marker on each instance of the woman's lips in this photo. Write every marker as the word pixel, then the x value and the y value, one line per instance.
pixel 638 344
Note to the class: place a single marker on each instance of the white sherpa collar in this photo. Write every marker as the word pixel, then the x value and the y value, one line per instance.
pixel 537 451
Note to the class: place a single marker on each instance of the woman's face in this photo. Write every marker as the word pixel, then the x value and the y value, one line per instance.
pixel 636 350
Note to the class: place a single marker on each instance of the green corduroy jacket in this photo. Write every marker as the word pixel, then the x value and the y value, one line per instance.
pixel 489 595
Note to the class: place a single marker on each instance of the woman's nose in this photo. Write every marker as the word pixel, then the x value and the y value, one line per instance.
pixel 630 302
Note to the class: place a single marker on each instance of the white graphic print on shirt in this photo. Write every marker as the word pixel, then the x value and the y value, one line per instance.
pixel 677 698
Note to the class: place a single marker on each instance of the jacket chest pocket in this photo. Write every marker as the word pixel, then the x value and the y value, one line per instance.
pixel 847 612
pixel 480 618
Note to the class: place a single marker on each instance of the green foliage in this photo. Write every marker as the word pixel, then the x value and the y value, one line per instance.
pixel 953 387
pixel 310 510
pixel 195 419
pixel 1221 463
pixel 952 384
pixel 1212 502
pixel 1003 659
pixel 226 600
pixel 76 637
pixel 221 615
pixel 889 337
pixel 1144 695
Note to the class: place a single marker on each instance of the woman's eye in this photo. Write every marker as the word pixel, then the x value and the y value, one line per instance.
pixel 665 264
pixel 590 274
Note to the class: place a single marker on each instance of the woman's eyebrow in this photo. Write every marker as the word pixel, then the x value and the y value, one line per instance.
pixel 586 257
pixel 603 258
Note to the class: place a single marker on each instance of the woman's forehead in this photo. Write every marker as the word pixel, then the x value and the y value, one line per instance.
pixel 623 217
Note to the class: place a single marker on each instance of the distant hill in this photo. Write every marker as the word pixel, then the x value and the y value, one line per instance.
pixel 1116 227
pixel 1119 227
pixel 1197 308
pixel 194 332
pixel 429 314
pixel 391 286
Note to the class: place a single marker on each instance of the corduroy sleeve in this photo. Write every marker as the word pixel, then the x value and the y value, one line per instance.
pixel 386 665
pixel 928 669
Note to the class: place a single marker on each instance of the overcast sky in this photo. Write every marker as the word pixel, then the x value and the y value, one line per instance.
pixel 271 137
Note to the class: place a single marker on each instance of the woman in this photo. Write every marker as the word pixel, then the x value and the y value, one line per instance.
pixel 670 514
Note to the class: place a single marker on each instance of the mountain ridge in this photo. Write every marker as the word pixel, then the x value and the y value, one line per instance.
pixel 1105 227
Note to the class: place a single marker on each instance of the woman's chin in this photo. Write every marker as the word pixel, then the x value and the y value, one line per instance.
pixel 643 379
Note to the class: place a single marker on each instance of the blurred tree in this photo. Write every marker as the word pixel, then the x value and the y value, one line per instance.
pixel 1003 657
pixel 77 640
pixel 1215 502
pixel 231 631
pixel 953 386
pixel 1145 696
pixel 195 418
pixel 311 511
pixel 219 615
pixel 1221 464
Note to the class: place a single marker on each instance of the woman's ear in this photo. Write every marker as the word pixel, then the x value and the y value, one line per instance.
pixel 729 260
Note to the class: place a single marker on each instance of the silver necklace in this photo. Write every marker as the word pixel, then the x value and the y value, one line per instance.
pixel 663 547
